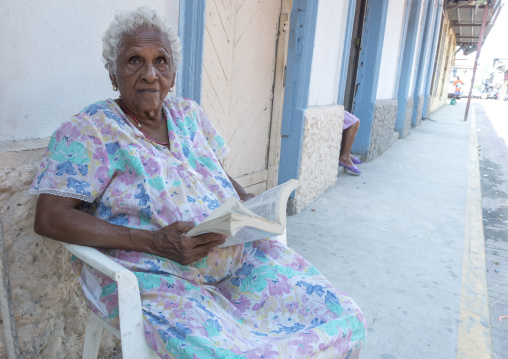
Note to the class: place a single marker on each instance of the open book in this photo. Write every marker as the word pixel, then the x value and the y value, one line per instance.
pixel 260 217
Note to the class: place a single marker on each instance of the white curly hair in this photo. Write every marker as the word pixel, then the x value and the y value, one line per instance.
pixel 126 23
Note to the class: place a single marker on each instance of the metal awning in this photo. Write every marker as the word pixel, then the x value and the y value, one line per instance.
pixel 466 20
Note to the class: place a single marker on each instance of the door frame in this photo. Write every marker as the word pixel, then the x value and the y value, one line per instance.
pixel 345 52
pixel 367 76
pixel 433 58
pixel 351 85
pixel 279 87
pixel 191 31
pixel 418 89
pixel 296 97
pixel 407 64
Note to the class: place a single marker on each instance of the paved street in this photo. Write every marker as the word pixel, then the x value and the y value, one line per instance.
pixel 492 130
pixel 401 240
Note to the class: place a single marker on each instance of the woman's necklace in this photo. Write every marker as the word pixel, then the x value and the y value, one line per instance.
pixel 139 125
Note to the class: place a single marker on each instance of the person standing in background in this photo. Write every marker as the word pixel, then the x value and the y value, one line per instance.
pixel 458 86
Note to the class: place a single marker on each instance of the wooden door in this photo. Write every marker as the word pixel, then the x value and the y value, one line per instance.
pixel 354 55
pixel 243 83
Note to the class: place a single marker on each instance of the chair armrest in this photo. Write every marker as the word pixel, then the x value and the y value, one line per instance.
pixel 132 329
pixel 97 260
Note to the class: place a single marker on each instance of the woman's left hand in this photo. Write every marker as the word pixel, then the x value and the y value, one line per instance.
pixel 246 196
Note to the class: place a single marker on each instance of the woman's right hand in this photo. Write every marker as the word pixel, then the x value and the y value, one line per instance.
pixel 172 243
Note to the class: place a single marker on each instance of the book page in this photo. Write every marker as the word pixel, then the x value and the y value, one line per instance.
pixel 239 208
pixel 267 204
pixel 245 235
pixel 232 205
pixel 242 221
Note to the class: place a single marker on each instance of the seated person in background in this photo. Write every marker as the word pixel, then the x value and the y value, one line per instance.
pixel 349 130
pixel 131 176
pixel 458 87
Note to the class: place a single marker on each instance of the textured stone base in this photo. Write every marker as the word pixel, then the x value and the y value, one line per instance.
pixel 320 154
pixel 49 311
pixel 419 113
pixel 436 103
pixel 427 110
pixel 409 114
pixel 383 127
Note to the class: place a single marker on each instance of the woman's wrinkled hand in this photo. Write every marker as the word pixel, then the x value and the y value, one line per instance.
pixel 246 196
pixel 172 243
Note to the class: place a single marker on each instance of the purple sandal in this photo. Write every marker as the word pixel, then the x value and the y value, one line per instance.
pixel 355 160
pixel 352 168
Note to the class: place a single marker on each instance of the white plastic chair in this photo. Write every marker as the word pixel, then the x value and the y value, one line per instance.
pixel 132 332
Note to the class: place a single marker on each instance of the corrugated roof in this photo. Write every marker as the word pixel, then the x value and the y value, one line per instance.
pixel 466 20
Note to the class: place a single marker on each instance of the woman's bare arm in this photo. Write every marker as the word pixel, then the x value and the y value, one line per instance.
pixel 244 196
pixel 59 218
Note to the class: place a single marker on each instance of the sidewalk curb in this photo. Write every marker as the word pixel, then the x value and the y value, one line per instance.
pixel 474 338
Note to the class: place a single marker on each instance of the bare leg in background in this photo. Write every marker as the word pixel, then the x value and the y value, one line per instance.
pixel 348 137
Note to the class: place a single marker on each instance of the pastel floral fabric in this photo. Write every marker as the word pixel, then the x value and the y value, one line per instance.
pixel 259 300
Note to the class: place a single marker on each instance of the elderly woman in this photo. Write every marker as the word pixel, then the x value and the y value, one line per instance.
pixel 131 176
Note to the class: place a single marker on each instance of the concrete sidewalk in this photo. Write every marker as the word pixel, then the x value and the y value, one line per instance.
pixel 394 240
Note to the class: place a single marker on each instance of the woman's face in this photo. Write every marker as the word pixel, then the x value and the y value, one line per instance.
pixel 144 71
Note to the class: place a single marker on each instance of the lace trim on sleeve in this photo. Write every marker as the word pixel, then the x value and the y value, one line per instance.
pixel 81 197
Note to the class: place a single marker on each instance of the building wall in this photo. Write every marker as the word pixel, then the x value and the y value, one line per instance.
pixel 50 65
pixel 429 50
pixel 424 61
pixel 58 70
pixel 385 108
pixel 422 53
pixel 440 64
pixel 49 311
pixel 327 56
pixel 391 50
pixel 449 58
pixel 322 132
pixel 446 56
pixel 383 127
pixel 407 118
pixel 320 154
pixel 419 111
pixel 417 47
pixel 438 15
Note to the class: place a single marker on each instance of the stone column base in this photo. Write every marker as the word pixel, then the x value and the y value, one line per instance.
pixel 320 154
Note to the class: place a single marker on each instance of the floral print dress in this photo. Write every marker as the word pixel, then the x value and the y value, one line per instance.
pixel 258 300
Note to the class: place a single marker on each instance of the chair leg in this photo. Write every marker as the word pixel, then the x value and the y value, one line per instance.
pixel 93 335
pixel 283 238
